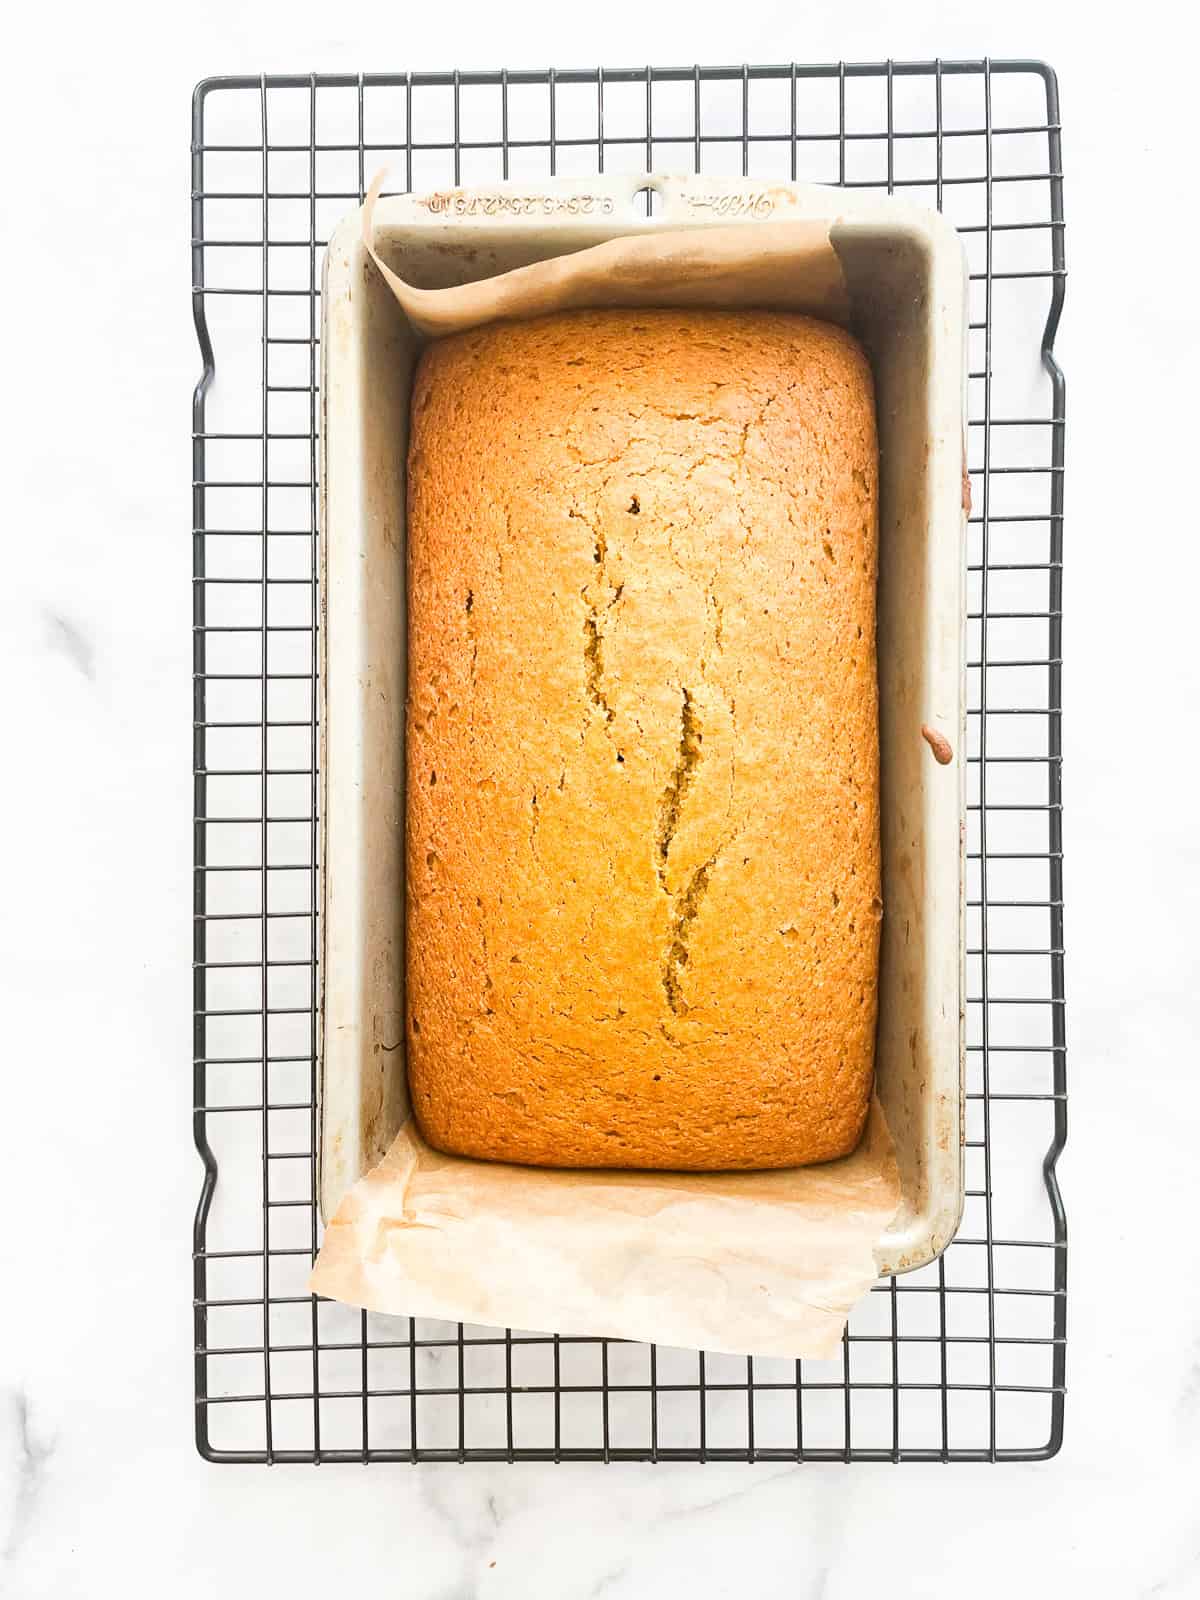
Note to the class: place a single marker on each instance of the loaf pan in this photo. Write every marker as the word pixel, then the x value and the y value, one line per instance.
pixel 905 271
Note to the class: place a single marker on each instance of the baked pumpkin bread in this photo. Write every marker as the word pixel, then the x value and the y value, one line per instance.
pixel 643 762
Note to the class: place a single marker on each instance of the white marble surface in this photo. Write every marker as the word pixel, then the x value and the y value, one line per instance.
pixel 100 1489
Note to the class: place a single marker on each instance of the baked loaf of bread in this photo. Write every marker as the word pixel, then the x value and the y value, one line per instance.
pixel 643 830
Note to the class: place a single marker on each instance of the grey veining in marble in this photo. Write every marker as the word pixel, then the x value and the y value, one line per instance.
pixel 71 639
pixel 30 1454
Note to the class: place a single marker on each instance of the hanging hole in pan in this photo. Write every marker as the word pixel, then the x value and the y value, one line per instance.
pixel 651 199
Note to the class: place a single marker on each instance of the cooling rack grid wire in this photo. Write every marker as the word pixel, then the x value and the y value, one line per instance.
pixel 962 1360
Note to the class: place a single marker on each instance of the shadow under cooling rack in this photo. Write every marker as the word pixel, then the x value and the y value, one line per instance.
pixel 963 1360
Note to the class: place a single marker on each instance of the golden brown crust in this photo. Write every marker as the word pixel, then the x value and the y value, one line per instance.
pixel 643 832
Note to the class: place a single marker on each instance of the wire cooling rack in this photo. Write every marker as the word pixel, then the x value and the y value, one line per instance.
pixel 963 1360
